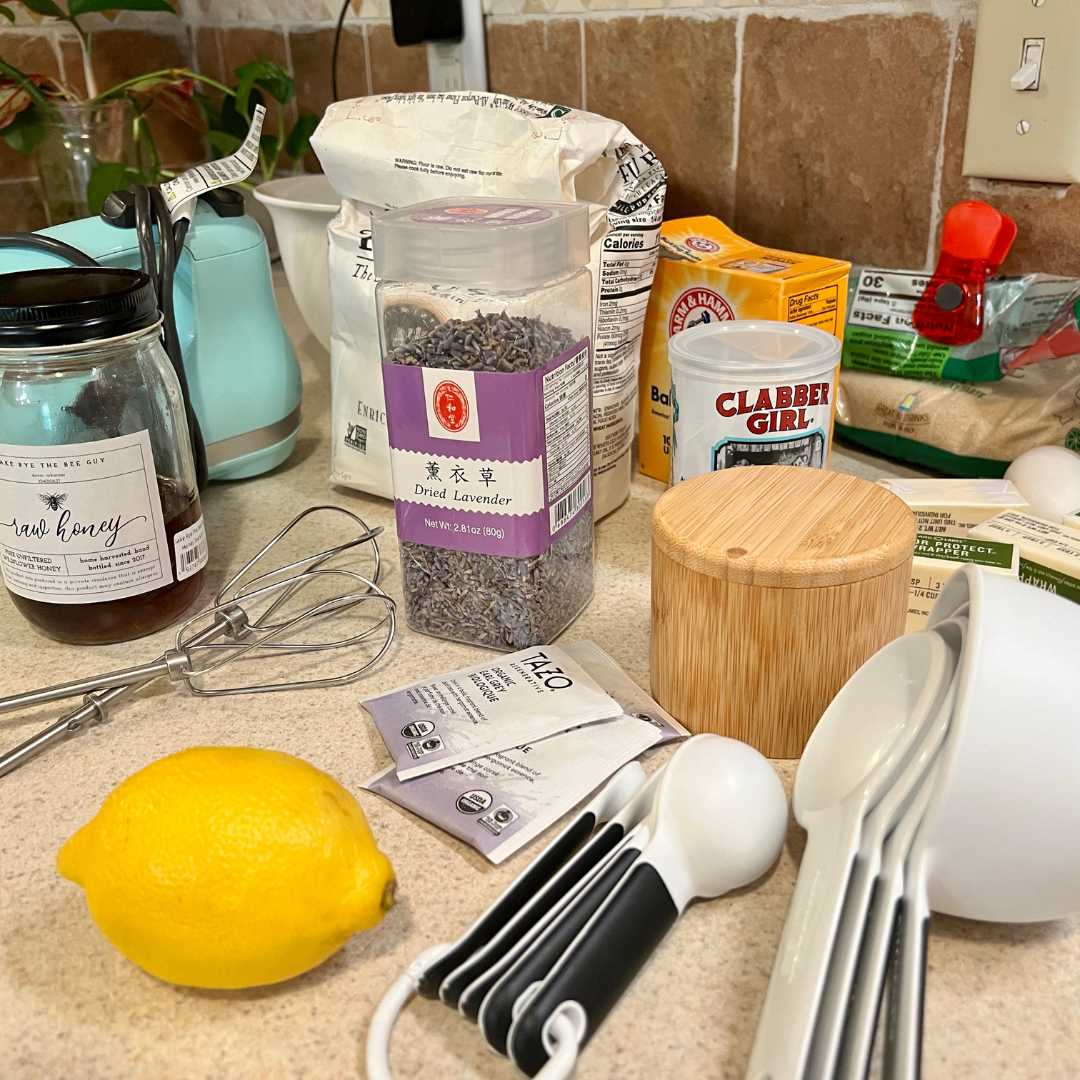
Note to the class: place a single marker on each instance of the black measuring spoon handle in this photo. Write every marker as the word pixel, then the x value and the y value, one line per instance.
pixel 600 964
pixel 497 1010
pixel 509 904
pixel 469 984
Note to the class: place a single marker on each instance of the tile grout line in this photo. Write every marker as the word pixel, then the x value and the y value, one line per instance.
pixel 367 60
pixel 939 162
pixel 736 109
pixel 584 79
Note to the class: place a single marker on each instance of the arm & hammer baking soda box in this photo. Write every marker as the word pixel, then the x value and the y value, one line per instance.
pixel 706 273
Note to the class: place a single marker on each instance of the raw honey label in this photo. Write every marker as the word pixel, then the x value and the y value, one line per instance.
pixel 82 523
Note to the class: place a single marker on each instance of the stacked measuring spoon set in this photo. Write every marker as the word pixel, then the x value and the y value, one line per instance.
pixel 545 964
pixel 942 778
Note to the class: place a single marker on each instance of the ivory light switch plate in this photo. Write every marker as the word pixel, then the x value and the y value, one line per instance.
pixel 1024 112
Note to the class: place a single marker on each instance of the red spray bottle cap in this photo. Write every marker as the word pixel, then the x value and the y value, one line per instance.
pixel 975 239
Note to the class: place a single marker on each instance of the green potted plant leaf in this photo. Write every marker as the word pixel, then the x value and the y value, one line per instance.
pixel 87 146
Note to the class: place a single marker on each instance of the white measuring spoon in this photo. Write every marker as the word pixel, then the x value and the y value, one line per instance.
pixel 894 804
pixel 998 841
pixel 720 818
pixel 858 747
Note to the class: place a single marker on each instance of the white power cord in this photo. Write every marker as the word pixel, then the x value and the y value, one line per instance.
pixel 388 1010
pixel 564 1033
pixel 562 1030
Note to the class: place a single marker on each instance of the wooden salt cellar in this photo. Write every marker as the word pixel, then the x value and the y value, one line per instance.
pixel 771 585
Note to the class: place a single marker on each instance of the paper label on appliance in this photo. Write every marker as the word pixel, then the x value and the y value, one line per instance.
pixel 191 550
pixel 238 166
pixel 492 706
pixel 82 523
pixel 498 803
pixel 490 462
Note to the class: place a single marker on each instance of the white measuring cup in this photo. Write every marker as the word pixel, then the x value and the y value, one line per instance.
pixel 999 839
pixel 860 744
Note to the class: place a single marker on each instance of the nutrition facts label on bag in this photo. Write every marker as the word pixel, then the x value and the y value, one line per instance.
pixel 886 299
pixel 566 423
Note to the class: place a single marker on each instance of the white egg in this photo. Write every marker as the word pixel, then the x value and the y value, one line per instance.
pixel 1049 478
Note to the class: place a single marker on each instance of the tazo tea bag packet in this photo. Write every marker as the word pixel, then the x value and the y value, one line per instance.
pixel 1049 553
pixel 952 507
pixel 498 804
pixel 494 705
pixel 706 273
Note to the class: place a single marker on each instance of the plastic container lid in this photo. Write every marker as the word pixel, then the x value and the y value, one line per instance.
pixel 72 305
pixel 784 350
pixel 499 244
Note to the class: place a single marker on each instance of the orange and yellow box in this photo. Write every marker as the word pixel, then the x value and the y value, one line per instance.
pixel 706 273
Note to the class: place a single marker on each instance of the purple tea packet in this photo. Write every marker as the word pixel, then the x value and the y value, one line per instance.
pixel 498 803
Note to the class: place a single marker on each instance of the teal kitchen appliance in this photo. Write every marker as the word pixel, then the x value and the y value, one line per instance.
pixel 241 370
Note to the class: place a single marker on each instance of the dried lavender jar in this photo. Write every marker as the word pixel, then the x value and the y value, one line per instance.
pixel 485 312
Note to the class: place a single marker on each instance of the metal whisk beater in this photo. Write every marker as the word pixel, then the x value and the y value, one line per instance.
pixel 239 624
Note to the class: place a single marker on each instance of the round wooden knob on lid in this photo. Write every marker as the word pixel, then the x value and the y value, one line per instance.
pixel 771 585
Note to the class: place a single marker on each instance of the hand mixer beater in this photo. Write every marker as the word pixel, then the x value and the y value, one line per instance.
pixel 254 615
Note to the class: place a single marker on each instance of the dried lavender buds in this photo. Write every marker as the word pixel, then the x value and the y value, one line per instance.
pixel 502 601
pixel 492 342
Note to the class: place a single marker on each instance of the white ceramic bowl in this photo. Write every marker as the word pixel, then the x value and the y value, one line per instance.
pixel 301 207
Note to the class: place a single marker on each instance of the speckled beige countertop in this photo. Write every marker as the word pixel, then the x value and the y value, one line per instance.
pixel 1002 1001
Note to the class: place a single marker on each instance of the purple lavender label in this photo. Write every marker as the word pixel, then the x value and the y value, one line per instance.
pixel 497 463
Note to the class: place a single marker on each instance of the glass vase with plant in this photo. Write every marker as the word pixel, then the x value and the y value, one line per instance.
pixel 88 145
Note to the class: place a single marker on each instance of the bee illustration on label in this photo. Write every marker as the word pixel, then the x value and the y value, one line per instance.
pixel 53 500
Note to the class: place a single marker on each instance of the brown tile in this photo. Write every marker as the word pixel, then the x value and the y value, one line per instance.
pixel 207 47
pixel 394 70
pixel 539 60
pixel 670 81
pixel 837 157
pixel 1048 215
pixel 240 45
pixel 123 54
pixel 33 54
pixel 311 52
pixel 21 207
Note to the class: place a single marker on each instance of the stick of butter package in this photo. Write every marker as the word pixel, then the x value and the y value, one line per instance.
pixel 706 273
pixel 1049 553
pixel 945 511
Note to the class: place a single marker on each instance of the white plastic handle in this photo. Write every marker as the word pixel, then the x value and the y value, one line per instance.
pixel 787 1018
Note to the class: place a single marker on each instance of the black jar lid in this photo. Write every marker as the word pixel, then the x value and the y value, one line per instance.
pixel 72 305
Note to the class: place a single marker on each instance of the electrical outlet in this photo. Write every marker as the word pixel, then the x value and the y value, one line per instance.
pixel 1024 111
pixel 460 65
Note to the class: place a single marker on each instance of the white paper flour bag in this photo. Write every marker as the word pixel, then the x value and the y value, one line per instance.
pixel 397 149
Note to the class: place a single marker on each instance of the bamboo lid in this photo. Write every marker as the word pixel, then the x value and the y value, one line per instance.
pixel 783 526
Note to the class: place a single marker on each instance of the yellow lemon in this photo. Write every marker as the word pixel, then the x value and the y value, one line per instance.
pixel 228 867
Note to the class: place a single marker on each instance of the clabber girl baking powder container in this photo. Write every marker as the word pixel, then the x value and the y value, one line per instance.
pixel 751 393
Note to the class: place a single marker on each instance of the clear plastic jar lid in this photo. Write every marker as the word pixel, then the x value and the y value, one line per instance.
pixel 500 244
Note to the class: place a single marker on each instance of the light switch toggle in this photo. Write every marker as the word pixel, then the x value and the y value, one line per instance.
pixel 1029 74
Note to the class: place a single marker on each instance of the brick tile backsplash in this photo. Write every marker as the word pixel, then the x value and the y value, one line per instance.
pixel 540 59
pixel 838 158
pixel 670 80
pixel 848 115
